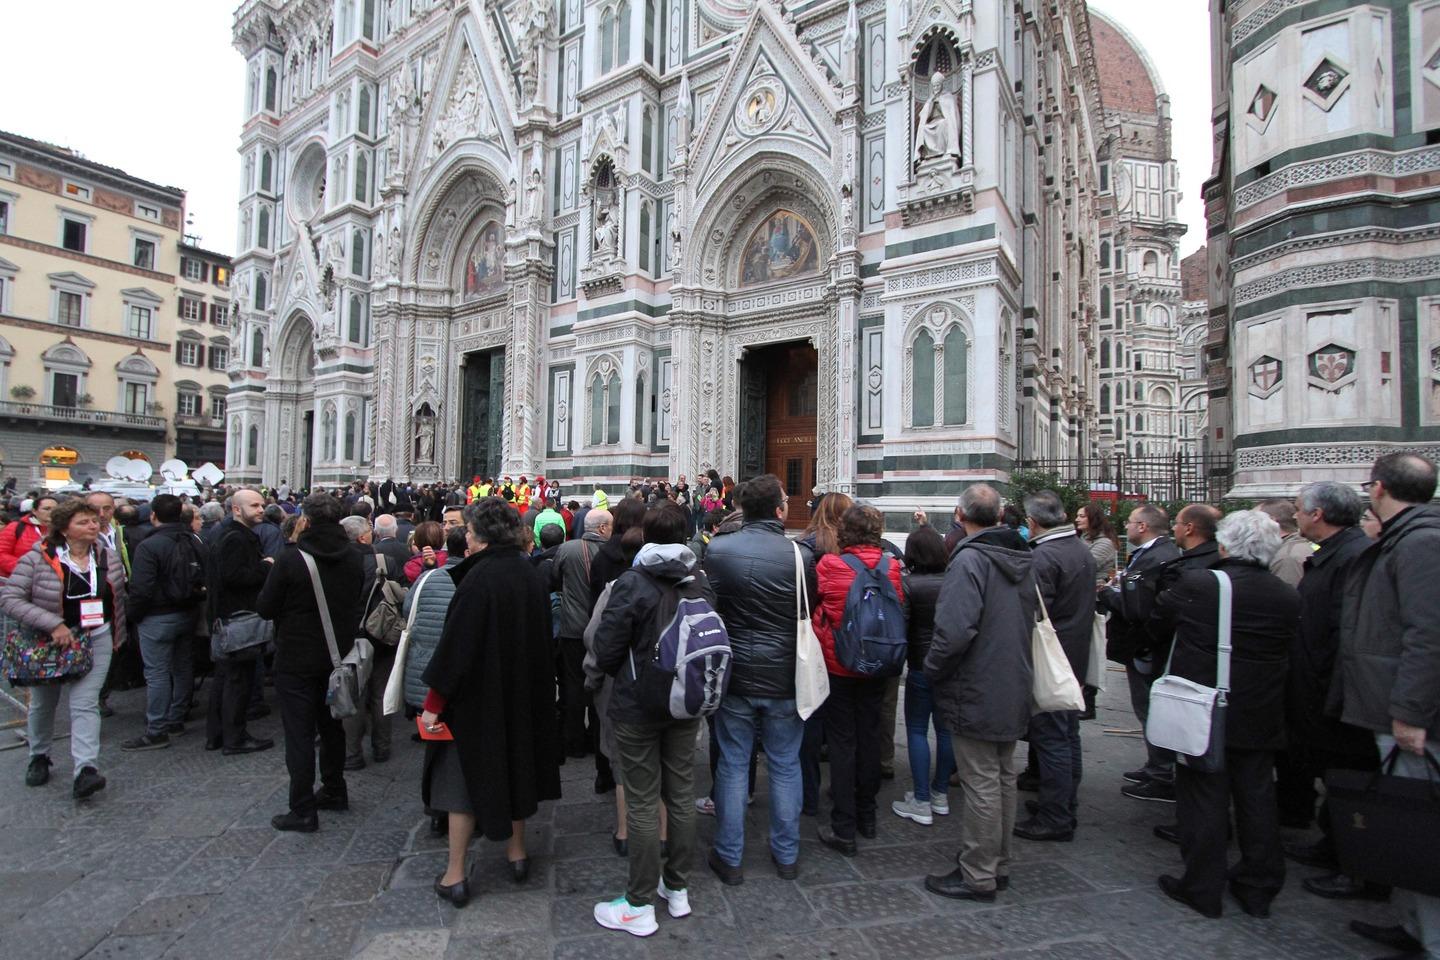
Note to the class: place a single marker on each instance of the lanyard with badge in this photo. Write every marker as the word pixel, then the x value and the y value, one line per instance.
pixel 92 607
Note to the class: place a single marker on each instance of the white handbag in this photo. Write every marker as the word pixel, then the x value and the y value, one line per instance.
pixel 1096 668
pixel 812 680
pixel 395 686
pixel 1189 717
pixel 1054 686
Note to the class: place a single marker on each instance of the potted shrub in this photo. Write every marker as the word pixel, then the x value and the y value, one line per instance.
pixel 85 400
pixel 155 407
pixel 22 392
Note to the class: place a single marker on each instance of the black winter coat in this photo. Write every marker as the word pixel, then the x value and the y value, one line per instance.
pixel 1390 651
pixel 1127 634
pixel 1265 615
pixel 237 569
pixel 612 559
pixel 288 598
pixel 924 593
pixel 1065 573
pixel 752 572
pixel 1316 650
pixel 158 567
pixel 495 666
pixel 1160 628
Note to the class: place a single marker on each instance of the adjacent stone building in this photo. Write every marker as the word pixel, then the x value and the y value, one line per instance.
pixel 1324 336
pixel 202 355
pixel 850 243
pixel 1193 415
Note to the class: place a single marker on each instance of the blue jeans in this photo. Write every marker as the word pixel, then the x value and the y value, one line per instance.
pixel 1055 738
pixel 919 711
pixel 165 646
pixel 780 735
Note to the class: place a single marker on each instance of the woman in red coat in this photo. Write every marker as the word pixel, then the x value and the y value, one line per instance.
pixel 852 712
pixel 19 537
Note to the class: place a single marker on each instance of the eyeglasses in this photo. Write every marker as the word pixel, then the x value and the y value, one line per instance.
pixel 1368 484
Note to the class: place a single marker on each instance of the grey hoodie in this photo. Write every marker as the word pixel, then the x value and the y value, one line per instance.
pixel 979 663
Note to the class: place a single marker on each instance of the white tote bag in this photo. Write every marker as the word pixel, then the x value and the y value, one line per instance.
pixel 1095 670
pixel 1054 686
pixel 395 686
pixel 812 680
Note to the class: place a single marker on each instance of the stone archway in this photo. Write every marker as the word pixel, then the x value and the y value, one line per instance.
pixel 290 403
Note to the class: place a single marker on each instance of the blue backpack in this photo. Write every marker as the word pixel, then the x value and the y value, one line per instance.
pixel 871 639
pixel 689 670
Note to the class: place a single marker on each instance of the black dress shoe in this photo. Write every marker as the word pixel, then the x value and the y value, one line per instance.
pixel 603 783
pixel 38 773
pixel 213 744
pixel 838 844
pixel 1031 830
pixel 1002 883
pixel 1321 855
pixel 785 871
pixel 249 745
pixel 622 847
pixel 87 783
pixel 1135 776
pixel 256 712
pixel 1032 807
pixel 382 754
pixel 1161 791
pixel 292 822
pixel 887 772
pixel 953 885
pixel 328 800
pixel 520 870
pixel 1169 832
pixel 457 894
pixel 1338 886
pixel 1171 886
pixel 1028 781
pixel 1250 902
pixel 730 876
pixel 1387 936
pixel 866 829
pixel 354 763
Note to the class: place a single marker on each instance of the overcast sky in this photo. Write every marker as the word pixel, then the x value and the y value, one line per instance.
pixel 154 87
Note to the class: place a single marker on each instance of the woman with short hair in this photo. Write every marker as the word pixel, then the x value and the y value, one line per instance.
pixel 74 591
pixel 430 536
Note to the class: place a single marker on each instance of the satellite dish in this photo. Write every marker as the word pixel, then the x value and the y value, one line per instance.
pixel 139 471
pixel 118 468
pixel 208 474
pixel 173 470
pixel 83 473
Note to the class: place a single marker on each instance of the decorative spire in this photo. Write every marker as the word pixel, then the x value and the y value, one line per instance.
pixel 850 39
pixel 682 104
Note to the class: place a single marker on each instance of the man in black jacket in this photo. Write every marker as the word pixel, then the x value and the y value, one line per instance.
pixel 165 596
pixel 1129 598
pixel 753 574
pixel 1065 573
pixel 238 568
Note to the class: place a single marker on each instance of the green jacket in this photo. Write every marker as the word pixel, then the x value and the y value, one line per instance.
pixel 547 517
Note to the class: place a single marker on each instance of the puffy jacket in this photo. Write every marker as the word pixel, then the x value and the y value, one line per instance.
pixel 158 572
pixel 630 621
pixel 16 540
pixel 834 577
pixel 1065 573
pixel 924 594
pixel 753 574
pixel 288 598
pixel 979 665
pixel 32 594
pixel 1390 628
pixel 573 562
pixel 546 518
pixel 433 592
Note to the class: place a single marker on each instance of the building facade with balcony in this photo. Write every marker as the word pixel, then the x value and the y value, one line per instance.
pixel 1323 347
pixel 88 257
pixel 202 354
pixel 849 243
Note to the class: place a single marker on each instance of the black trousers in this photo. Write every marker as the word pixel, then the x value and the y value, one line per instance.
pixel 229 701
pixel 575 700
pixel 1202 802
pixel 852 730
pixel 810 746
pixel 303 714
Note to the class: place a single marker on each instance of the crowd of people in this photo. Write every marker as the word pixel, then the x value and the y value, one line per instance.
pixel 523 630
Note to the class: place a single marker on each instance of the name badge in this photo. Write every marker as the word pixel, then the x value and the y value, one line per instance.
pixel 92 613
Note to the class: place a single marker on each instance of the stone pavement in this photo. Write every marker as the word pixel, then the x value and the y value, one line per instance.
pixel 176 859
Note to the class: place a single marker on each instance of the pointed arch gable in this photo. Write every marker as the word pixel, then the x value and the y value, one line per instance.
pixel 494 97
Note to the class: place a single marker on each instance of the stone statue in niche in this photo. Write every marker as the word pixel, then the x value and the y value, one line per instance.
pixel 605 235
pixel 404 108
pixel 532 26
pixel 394 252
pixel 535 194
pixel 424 436
pixel 937 132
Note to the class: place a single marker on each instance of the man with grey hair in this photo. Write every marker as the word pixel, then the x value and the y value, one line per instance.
pixel 1065 572
pixel 357 529
pixel 1289 562
pixel 389 546
pixel 980 671
pixel 571 572
pixel 1130 600
pixel 1327 514
pixel 1389 667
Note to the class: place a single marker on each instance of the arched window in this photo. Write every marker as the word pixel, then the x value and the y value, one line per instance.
pixel 1119 428
pixel 262 295
pixel 267 172
pixel 622 25
pixel 262 229
pixel 607 41
pixel 362 178
pixel 645 230
pixel 257 348
pixel 955 387
pixel 1150 264
pixel 252 448
pixel 350 435
pixel 357 254
pixel 1105 353
pixel 1139 421
pixel 1139 397
pixel 1104 302
pixel 639 410
pixel 650 33
pixel 271 82
pixel 1104 254
pixel 364 102
pixel 355 319
pixel 1105 398
pixel 647 139
pixel 612 409
pixel 597 411
pixel 328 437
pixel 1139 445
pixel 1159 316
pixel 922 399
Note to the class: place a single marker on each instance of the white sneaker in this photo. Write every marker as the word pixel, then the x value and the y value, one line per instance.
pixel 912 809
pixel 678 900
pixel 940 804
pixel 705 805
pixel 619 914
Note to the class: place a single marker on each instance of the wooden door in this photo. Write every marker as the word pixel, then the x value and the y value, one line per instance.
pixel 790 424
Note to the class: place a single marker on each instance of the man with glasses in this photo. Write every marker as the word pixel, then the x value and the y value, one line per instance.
pixel 1129 597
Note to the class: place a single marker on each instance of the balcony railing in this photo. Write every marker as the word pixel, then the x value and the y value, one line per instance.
pixel 99 418
pixel 204 421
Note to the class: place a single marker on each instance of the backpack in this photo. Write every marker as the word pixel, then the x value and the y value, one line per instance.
pixel 689 669
pixel 183 581
pixel 870 638
pixel 384 621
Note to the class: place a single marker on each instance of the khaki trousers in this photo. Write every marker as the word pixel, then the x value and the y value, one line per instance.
pixel 987 780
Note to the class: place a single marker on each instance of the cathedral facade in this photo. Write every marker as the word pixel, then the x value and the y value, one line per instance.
pixel 853 244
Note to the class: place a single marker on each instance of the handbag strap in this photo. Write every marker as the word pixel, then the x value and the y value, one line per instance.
pixel 324 609
pixel 1222 657
pixel 1044 614
pixel 415 600
pixel 802 591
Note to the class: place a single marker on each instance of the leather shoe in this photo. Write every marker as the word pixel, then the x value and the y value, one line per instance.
pixel 1002 883
pixel 1135 776
pixel 1387 936
pixel 354 763
pixel 1031 830
pixel 1028 781
pixel 953 885
pixel 249 745
pixel 382 754
pixel 87 783
pixel 1158 790
pixel 213 744
pixel 1169 832
pixel 520 869
pixel 257 712
pixel 1032 807
pixel 730 876
pixel 1171 887
pixel 785 871
pixel 38 773
pixel 866 829
pixel 604 783
pixel 458 894
pixel 1320 855
pixel 326 800
pixel 838 844
pixel 293 822
pixel 1250 902
pixel 1338 886
pixel 622 847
